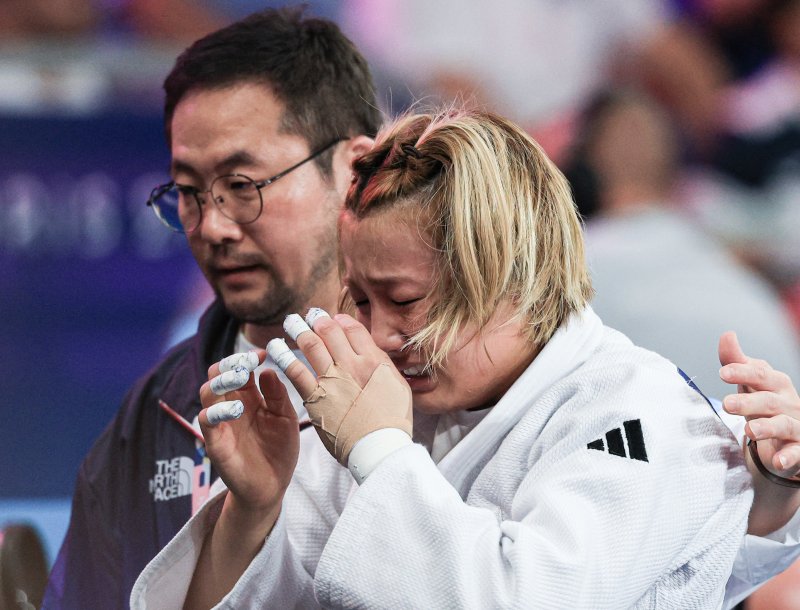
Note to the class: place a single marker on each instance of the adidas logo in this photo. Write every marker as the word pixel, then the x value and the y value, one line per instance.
pixel 615 443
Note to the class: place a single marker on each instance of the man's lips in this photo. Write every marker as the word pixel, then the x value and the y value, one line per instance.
pixel 234 276
pixel 232 269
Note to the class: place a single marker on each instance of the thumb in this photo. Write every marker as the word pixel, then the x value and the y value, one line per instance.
pixel 729 349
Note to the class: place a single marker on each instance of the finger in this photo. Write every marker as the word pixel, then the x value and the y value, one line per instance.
pixel 302 379
pixel 358 336
pixel 313 346
pixel 332 334
pixel 226 410
pixel 314 314
pixel 248 360
pixel 788 459
pixel 295 325
pixel 780 427
pixel 275 395
pixel 760 404
pixel 756 375
pixel 207 397
pixel 729 349
pixel 229 381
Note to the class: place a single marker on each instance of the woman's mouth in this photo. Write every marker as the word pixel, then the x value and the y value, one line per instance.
pixel 414 371
pixel 419 378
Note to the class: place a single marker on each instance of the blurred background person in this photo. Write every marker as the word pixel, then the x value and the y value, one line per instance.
pixel 23 567
pixel 658 278
pixel 728 71
pixel 535 61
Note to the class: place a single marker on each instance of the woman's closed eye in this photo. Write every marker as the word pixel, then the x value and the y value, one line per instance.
pixel 406 302
pixel 362 303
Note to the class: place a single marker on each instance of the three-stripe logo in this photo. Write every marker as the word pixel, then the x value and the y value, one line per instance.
pixel 615 443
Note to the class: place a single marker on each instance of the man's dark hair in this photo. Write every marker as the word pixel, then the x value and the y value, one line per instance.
pixel 308 64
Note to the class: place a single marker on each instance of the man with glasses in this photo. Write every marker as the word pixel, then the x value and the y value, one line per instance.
pixel 263 119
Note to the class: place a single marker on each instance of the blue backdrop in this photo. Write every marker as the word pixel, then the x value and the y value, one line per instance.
pixel 90 286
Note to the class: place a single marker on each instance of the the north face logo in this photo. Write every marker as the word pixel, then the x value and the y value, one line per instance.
pixel 173 479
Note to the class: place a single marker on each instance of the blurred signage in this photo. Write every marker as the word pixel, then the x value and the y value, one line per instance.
pixel 91 286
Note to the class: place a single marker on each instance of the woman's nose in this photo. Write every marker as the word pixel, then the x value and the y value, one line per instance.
pixel 386 332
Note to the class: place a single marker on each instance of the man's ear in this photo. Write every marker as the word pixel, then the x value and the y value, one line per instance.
pixel 349 151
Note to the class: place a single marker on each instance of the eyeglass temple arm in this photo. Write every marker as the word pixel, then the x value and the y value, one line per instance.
pixel 261 184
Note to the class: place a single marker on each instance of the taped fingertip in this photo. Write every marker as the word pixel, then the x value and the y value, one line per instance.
pixel 314 314
pixel 295 325
pixel 230 380
pixel 248 360
pixel 280 353
pixel 225 411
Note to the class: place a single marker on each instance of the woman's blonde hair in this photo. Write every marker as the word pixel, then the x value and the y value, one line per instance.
pixel 497 211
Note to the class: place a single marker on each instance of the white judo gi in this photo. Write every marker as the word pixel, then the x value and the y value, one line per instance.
pixel 599 480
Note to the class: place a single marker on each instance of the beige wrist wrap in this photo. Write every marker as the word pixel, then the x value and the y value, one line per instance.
pixel 343 413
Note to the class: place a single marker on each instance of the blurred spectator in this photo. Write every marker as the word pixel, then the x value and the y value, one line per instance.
pixel 176 22
pixel 89 56
pixel 23 568
pixel 666 284
pixel 729 71
pixel 22 19
pixel 535 61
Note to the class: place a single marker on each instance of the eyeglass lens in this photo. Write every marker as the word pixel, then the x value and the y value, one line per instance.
pixel 236 196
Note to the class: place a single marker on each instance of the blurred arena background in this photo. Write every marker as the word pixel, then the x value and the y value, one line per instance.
pixel 93 289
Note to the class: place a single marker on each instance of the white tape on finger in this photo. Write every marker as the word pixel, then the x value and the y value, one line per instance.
pixel 225 411
pixel 248 360
pixel 280 353
pixel 294 325
pixel 230 380
pixel 314 314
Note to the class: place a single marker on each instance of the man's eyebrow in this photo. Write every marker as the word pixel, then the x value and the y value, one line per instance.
pixel 229 163
pixel 235 159
pixel 180 167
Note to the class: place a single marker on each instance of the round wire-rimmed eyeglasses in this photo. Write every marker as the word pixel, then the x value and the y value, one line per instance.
pixel 236 196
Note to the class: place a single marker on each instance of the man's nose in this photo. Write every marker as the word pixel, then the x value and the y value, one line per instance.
pixel 215 227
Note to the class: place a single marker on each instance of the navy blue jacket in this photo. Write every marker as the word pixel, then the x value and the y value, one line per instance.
pixel 132 493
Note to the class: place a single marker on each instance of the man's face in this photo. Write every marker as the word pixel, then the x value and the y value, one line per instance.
pixel 286 259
